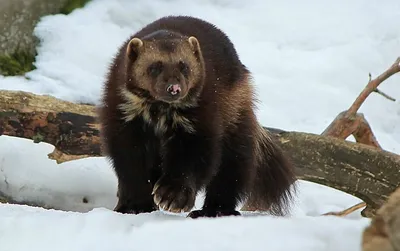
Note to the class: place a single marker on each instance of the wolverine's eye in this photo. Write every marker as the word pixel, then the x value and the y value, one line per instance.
pixel 155 69
pixel 184 68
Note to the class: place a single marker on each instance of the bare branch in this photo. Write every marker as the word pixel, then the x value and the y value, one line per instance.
pixel 348 122
pixel 363 132
pixel 348 210
pixel 372 85
pixel 385 95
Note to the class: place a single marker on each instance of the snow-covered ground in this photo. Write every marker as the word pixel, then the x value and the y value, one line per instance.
pixel 78 225
pixel 310 60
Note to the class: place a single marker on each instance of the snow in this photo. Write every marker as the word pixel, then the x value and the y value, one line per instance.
pixel 103 230
pixel 36 178
pixel 309 60
pixel 32 177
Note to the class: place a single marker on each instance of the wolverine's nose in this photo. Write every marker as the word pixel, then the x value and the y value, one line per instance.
pixel 174 89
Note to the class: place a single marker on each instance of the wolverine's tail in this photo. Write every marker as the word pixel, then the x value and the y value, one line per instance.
pixel 274 187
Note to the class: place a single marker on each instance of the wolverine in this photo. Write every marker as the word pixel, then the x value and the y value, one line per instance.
pixel 178 116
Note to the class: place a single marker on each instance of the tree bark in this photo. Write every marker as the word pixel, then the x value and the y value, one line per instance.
pixel 366 172
pixel 70 127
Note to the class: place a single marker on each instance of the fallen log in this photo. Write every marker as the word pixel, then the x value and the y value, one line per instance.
pixel 70 127
pixel 367 172
pixel 364 171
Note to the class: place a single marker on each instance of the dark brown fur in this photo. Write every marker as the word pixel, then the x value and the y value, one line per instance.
pixel 164 149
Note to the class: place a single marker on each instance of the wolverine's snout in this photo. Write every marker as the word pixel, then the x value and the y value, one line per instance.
pixel 170 90
pixel 174 89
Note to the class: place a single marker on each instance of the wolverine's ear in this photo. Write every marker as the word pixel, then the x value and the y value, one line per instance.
pixel 134 47
pixel 194 44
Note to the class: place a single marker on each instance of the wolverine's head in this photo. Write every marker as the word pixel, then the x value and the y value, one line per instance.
pixel 165 66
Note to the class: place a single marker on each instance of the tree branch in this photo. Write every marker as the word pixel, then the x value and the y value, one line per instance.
pixel 347 211
pixel 385 95
pixel 348 122
pixel 372 85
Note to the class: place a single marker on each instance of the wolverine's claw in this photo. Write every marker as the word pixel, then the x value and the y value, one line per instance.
pixel 172 195
pixel 156 186
pixel 157 199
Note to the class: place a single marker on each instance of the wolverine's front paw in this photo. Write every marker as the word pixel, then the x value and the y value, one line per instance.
pixel 211 213
pixel 174 195
pixel 129 206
